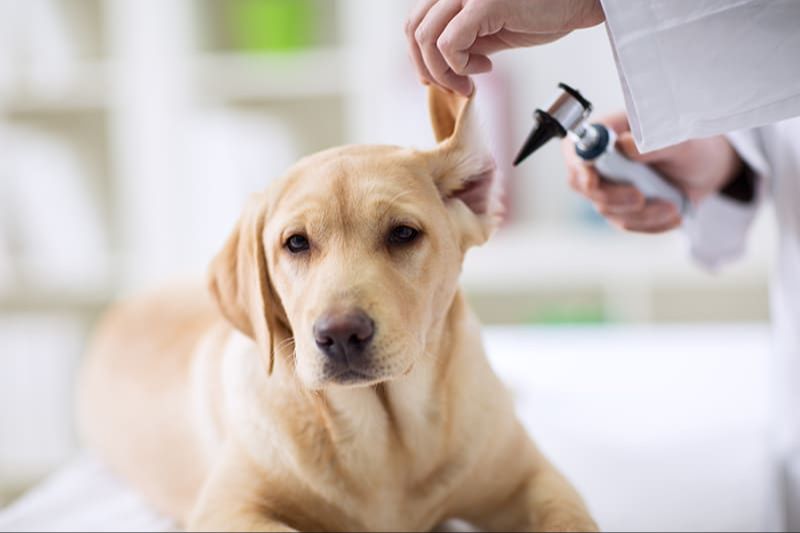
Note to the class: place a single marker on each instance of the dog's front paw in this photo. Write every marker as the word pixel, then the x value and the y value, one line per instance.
pixel 568 524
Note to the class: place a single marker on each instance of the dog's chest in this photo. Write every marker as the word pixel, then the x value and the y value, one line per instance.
pixel 377 473
pixel 378 459
pixel 399 463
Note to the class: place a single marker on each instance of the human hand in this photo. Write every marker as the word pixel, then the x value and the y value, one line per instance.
pixel 449 40
pixel 698 167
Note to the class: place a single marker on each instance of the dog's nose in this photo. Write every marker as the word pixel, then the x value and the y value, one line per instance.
pixel 343 334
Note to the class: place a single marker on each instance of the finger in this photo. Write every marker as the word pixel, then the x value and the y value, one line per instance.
pixel 609 200
pixel 657 216
pixel 427 36
pixel 617 199
pixel 627 146
pixel 505 39
pixel 476 64
pixel 568 151
pixel 488 45
pixel 458 36
pixel 661 227
pixel 585 177
pixel 572 180
pixel 416 16
pixel 618 122
pixel 412 23
pixel 416 57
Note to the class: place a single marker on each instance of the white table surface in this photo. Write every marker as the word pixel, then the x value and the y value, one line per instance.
pixel 661 428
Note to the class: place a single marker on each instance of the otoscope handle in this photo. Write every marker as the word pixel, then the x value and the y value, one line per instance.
pixel 614 166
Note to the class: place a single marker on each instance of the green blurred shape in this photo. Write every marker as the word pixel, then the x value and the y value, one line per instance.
pixel 271 25
pixel 569 315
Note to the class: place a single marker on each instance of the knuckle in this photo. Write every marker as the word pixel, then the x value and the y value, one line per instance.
pixel 458 70
pixel 484 7
pixel 574 185
pixel 409 28
pixel 445 44
pixel 578 185
pixel 581 189
pixel 421 34
pixel 438 72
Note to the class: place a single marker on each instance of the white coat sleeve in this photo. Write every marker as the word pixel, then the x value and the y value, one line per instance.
pixel 717 227
pixel 696 68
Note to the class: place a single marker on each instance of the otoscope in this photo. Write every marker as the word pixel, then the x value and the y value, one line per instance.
pixel 568 115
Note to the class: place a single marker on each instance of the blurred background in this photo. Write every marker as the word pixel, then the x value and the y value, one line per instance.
pixel 132 131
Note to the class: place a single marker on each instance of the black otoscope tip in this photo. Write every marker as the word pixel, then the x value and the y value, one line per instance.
pixel 545 129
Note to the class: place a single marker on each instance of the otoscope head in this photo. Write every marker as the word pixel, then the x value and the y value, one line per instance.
pixel 568 110
pixel 545 128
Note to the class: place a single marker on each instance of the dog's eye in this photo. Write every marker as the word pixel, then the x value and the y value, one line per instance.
pixel 403 235
pixel 297 244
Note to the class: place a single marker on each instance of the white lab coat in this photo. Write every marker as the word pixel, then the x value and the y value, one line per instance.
pixel 716 232
pixel 693 68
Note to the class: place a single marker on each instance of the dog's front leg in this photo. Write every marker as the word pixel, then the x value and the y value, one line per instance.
pixel 550 503
pixel 230 499
pixel 541 499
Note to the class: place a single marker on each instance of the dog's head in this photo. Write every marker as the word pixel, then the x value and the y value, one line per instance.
pixel 353 257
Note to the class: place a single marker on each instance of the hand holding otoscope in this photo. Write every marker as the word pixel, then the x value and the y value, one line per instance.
pixel 623 204
pixel 628 188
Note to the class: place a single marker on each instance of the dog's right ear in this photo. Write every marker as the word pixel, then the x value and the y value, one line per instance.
pixel 462 166
pixel 240 284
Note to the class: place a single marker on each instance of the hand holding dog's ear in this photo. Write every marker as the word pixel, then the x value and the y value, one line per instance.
pixel 449 40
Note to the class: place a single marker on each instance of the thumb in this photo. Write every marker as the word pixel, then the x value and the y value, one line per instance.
pixel 627 146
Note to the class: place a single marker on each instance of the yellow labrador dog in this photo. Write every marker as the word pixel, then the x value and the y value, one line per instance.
pixel 339 383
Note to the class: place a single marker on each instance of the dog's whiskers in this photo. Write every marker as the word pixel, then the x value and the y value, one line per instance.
pixel 286 343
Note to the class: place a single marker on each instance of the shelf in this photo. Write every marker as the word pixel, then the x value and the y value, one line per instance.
pixel 41 301
pixel 275 76
pixel 30 288
pixel 518 258
pixel 521 259
pixel 81 87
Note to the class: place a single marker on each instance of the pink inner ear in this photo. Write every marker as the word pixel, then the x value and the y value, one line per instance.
pixel 476 192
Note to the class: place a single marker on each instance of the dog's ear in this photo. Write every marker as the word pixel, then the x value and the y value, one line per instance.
pixel 463 169
pixel 240 284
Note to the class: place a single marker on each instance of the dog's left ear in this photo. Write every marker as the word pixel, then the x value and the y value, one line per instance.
pixel 463 169
pixel 240 283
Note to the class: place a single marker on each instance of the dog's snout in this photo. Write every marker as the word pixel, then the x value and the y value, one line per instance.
pixel 342 334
